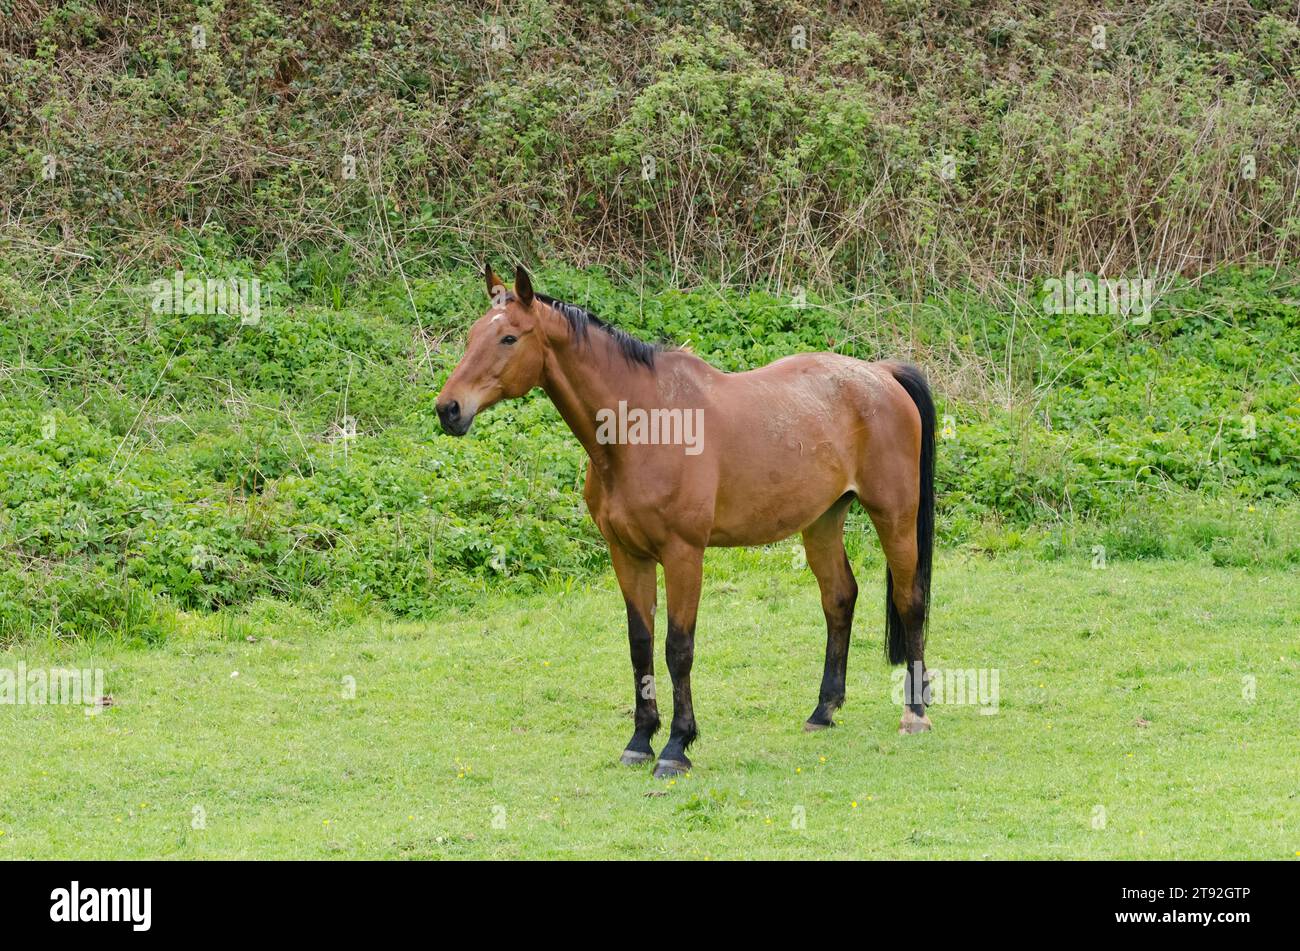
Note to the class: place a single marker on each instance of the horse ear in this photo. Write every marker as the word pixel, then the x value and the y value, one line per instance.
pixel 523 287
pixel 494 284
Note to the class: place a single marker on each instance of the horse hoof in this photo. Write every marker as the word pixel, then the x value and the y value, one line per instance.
pixel 634 758
pixel 812 727
pixel 911 723
pixel 668 768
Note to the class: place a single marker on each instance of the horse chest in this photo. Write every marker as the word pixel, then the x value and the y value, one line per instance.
pixel 621 522
pixel 615 522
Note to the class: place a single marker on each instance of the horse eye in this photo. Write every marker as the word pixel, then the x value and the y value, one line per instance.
pixel 508 339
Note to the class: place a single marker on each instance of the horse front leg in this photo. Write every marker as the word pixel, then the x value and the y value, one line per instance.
pixel 636 579
pixel 683 576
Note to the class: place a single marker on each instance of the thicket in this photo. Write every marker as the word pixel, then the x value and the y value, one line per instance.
pixel 769 141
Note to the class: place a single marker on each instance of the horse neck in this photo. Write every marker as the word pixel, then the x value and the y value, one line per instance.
pixel 583 376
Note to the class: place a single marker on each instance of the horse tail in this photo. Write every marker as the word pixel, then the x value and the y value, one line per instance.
pixel 912 380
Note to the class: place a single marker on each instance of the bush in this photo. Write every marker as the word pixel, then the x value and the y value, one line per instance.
pixel 77 601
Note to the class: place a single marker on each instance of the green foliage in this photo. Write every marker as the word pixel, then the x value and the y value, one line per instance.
pixel 191 457
pixel 77 599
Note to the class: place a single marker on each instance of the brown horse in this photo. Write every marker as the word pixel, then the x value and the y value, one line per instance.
pixel 684 457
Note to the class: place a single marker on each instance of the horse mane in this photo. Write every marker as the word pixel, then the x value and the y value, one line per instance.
pixel 580 320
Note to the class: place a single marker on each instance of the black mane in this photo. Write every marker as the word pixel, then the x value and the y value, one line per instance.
pixel 579 320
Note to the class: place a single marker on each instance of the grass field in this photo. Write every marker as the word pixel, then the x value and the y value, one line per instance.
pixel 496 733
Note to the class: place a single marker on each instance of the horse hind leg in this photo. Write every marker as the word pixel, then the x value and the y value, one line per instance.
pixel 901 504
pixel 905 610
pixel 824 543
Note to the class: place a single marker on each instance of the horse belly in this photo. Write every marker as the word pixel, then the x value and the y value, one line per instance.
pixel 762 513
pixel 745 536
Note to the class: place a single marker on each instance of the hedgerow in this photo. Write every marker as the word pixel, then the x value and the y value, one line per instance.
pixel 754 141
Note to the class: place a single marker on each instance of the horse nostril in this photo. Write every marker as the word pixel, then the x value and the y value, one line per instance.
pixel 450 411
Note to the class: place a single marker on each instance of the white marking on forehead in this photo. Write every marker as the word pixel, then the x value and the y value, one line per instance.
pixel 496 318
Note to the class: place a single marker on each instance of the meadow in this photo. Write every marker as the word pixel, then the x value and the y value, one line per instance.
pixel 1145 710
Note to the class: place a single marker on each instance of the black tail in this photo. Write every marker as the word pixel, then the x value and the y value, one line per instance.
pixel 910 378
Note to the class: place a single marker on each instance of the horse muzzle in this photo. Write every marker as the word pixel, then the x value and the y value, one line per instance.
pixel 454 421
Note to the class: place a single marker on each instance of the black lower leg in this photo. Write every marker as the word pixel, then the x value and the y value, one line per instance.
pixel 641 643
pixel 680 652
pixel 831 697
pixel 916 683
pixel 916 687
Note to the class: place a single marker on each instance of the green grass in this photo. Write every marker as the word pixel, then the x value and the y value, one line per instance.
pixel 1120 688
